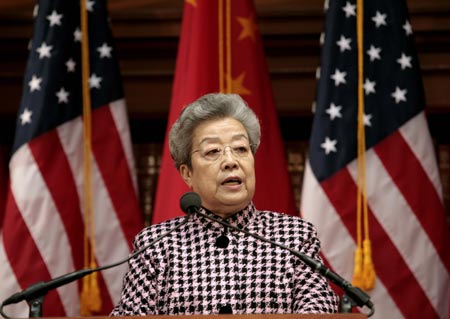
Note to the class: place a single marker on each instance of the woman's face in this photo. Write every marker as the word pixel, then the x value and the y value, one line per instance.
pixel 223 166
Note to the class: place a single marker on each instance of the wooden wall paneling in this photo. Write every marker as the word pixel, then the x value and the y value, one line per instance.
pixel 146 34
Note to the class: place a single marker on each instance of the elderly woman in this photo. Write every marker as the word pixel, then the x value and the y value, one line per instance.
pixel 205 268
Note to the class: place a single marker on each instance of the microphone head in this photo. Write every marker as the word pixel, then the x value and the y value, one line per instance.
pixel 190 200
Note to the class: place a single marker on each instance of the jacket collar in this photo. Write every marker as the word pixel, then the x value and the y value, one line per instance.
pixel 240 219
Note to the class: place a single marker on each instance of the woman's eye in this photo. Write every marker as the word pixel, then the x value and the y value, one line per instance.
pixel 241 150
pixel 212 151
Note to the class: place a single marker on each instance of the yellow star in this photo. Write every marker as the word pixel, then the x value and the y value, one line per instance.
pixel 237 85
pixel 249 27
pixel 192 2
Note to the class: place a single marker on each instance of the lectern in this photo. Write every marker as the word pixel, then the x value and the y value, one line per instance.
pixel 249 316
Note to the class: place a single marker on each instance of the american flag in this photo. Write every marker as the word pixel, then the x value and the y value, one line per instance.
pixel 409 233
pixel 42 235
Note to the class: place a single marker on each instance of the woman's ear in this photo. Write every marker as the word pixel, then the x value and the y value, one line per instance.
pixel 186 174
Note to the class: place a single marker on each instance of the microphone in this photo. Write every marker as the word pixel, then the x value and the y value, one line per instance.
pixel 41 287
pixel 192 203
pixel 34 294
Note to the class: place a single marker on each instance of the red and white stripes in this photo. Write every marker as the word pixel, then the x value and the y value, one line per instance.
pixel 42 235
pixel 408 229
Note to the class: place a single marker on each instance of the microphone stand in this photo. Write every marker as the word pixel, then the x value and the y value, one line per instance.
pixel 34 294
pixel 353 295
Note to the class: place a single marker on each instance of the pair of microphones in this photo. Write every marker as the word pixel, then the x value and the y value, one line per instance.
pixel 190 203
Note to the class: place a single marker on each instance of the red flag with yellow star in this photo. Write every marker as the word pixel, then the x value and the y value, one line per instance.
pixel 220 50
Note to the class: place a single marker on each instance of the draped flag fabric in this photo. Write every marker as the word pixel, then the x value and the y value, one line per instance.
pixel 220 50
pixel 408 229
pixel 42 235
pixel 3 183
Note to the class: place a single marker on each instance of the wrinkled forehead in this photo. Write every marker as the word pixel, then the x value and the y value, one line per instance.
pixel 226 130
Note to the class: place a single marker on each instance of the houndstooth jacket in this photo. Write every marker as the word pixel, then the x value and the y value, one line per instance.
pixel 203 268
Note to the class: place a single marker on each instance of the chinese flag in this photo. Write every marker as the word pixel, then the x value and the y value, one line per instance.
pixel 220 50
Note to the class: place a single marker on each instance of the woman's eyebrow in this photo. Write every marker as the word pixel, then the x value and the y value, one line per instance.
pixel 218 139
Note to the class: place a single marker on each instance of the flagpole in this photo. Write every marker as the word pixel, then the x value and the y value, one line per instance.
pixel 90 294
pixel 220 42
pixel 228 45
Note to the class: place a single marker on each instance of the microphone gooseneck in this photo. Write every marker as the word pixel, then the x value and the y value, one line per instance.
pixel 192 203
pixel 38 290
pixel 43 287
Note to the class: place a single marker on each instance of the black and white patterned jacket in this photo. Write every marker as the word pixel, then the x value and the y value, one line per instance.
pixel 192 272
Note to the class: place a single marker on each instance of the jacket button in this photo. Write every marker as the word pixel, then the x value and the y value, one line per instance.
pixel 222 241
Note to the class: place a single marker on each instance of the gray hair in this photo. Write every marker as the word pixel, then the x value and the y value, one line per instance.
pixel 210 107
